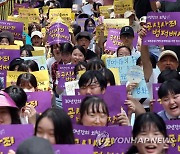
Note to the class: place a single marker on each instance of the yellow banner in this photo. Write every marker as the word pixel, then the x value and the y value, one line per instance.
pixel 13 47
pixel 64 13
pixel 121 6
pixel 115 24
pixel 104 11
pixel 31 13
pixel 42 78
pixel 38 53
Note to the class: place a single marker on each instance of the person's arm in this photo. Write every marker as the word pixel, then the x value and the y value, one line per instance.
pixel 145 57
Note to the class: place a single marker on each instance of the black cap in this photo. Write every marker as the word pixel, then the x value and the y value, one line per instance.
pixel 84 34
pixel 35 145
pixel 8 35
pixel 127 30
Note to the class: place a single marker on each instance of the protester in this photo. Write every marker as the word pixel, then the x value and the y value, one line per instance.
pixel 8 110
pixel 26 51
pixel 27 82
pixel 28 66
pixel 94 112
pixel 149 127
pixel 6 38
pixel 170 98
pixel 55 125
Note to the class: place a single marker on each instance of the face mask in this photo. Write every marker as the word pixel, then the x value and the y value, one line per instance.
pixel 90 29
pixel 27 90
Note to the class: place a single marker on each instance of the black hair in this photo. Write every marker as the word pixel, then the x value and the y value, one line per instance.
pixel 33 25
pixel 83 15
pixel 63 130
pixel 8 35
pixel 15 119
pixel 144 121
pixel 76 29
pixel 28 48
pixel 14 112
pixel 108 75
pixel 53 46
pixel 89 76
pixel 17 94
pixel 123 46
pixel 28 64
pixel 78 67
pixel 94 102
pixel 171 86
pixel 95 64
pixel 66 48
pixel 86 23
pixel 25 78
pixel 168 74
pixel 15 62
pixel 81 49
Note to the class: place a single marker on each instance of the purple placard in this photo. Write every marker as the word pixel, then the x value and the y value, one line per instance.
pixel 17 6
pixel 12 135
pixel 157 107
pixel 16 28
pixel 66 74
pixel 58 33
pixel 173 129
pixel 116 139
pixel 3 79
pixel 73 149
pixel 6 56
pixel 113 99
pixel 113 39
pixel 40 100
pixel 162 29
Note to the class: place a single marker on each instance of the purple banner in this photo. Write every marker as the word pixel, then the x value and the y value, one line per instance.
pixel 66 74
pixel 115 101
pixel 6 56
pixel 157 107
pixel 3 79
pixel 16 28
pixel 114 41
pixel 58 33
pixel 162 29
pixel 173 130
pixel 40 100
pixel 12 135
pixel 73 149
pixel 116 139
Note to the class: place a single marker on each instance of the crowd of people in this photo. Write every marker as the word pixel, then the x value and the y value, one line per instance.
pixel 88 53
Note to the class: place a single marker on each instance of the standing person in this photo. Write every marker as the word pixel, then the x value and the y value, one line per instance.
pixel 55 125
pixel 127 37
pixel 148 128
pixel 83 39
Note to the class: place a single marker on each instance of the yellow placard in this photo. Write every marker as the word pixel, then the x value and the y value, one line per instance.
pixel 18 42
pixel 98 32
pixel 115 72
pixel 104 11
pixel 114 24
pixel 72 16
pixel 45 9
pixel 31 13
pixel 42 78
pixel 105 56
pixel 80 73
pixel 43 31
pixel 121 6
pixel 40 48
pixel 12 47
pixel 64 13
pixel 23 20
pixel 38 53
